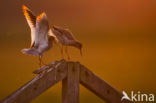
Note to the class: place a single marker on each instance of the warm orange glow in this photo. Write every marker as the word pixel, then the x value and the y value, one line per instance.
pixel 118 36
pixel 25 9
pixel 43 14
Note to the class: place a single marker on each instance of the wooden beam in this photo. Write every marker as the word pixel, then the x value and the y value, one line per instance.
pixel 70 85
pixel 71 73
pixel 100 87
pixel 37 85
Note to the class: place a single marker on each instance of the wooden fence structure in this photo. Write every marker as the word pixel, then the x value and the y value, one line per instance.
pixel 71 74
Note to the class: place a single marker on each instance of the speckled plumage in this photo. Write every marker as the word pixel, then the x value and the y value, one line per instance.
pixel 66 38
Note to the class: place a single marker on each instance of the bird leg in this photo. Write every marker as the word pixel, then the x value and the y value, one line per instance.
pixel 40 61
pixel 62 51
pixel 44 63
pixel 66 50
pixel 40 64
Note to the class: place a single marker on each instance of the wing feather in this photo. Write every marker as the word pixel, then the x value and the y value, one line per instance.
pixel 42 29
pixel 31 19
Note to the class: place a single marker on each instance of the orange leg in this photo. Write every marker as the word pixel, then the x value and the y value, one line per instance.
pixel 66 50
pixel 62 51
pixel 40 59
pixel 44 63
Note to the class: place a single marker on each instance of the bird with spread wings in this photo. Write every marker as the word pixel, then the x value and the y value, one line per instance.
pixel 40 40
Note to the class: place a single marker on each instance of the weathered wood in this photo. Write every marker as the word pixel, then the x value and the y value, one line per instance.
pixel 36 86
pixel 72 73
pixel 70 85
pixel 100 87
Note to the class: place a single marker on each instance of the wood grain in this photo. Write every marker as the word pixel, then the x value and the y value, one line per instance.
pixel 38 85
pixel 70 85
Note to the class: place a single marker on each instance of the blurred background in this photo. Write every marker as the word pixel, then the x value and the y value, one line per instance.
pixel 118 36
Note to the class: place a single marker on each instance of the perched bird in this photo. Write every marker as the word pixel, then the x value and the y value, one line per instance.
pixel 40 40
pixel 66 38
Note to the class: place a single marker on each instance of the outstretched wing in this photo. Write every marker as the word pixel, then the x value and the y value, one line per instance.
pixel 42 29
pixel 64 32
pixel 31 19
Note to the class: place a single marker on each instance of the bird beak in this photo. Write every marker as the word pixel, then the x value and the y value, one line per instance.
pixel 81 52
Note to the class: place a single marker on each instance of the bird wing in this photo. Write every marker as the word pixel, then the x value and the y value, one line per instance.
pixel 64 33
pixel 31 19
pixel 68 34
pixel 42 29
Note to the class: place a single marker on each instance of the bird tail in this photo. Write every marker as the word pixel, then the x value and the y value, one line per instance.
pixel 30 51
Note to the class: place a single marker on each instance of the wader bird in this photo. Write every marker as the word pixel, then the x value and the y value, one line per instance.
pixel 66 38
pixel 40 40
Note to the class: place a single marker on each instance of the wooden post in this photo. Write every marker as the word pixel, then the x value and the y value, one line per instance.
pixel 100 87
pixel 38 85
pixel 72 73
pixel 70 85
